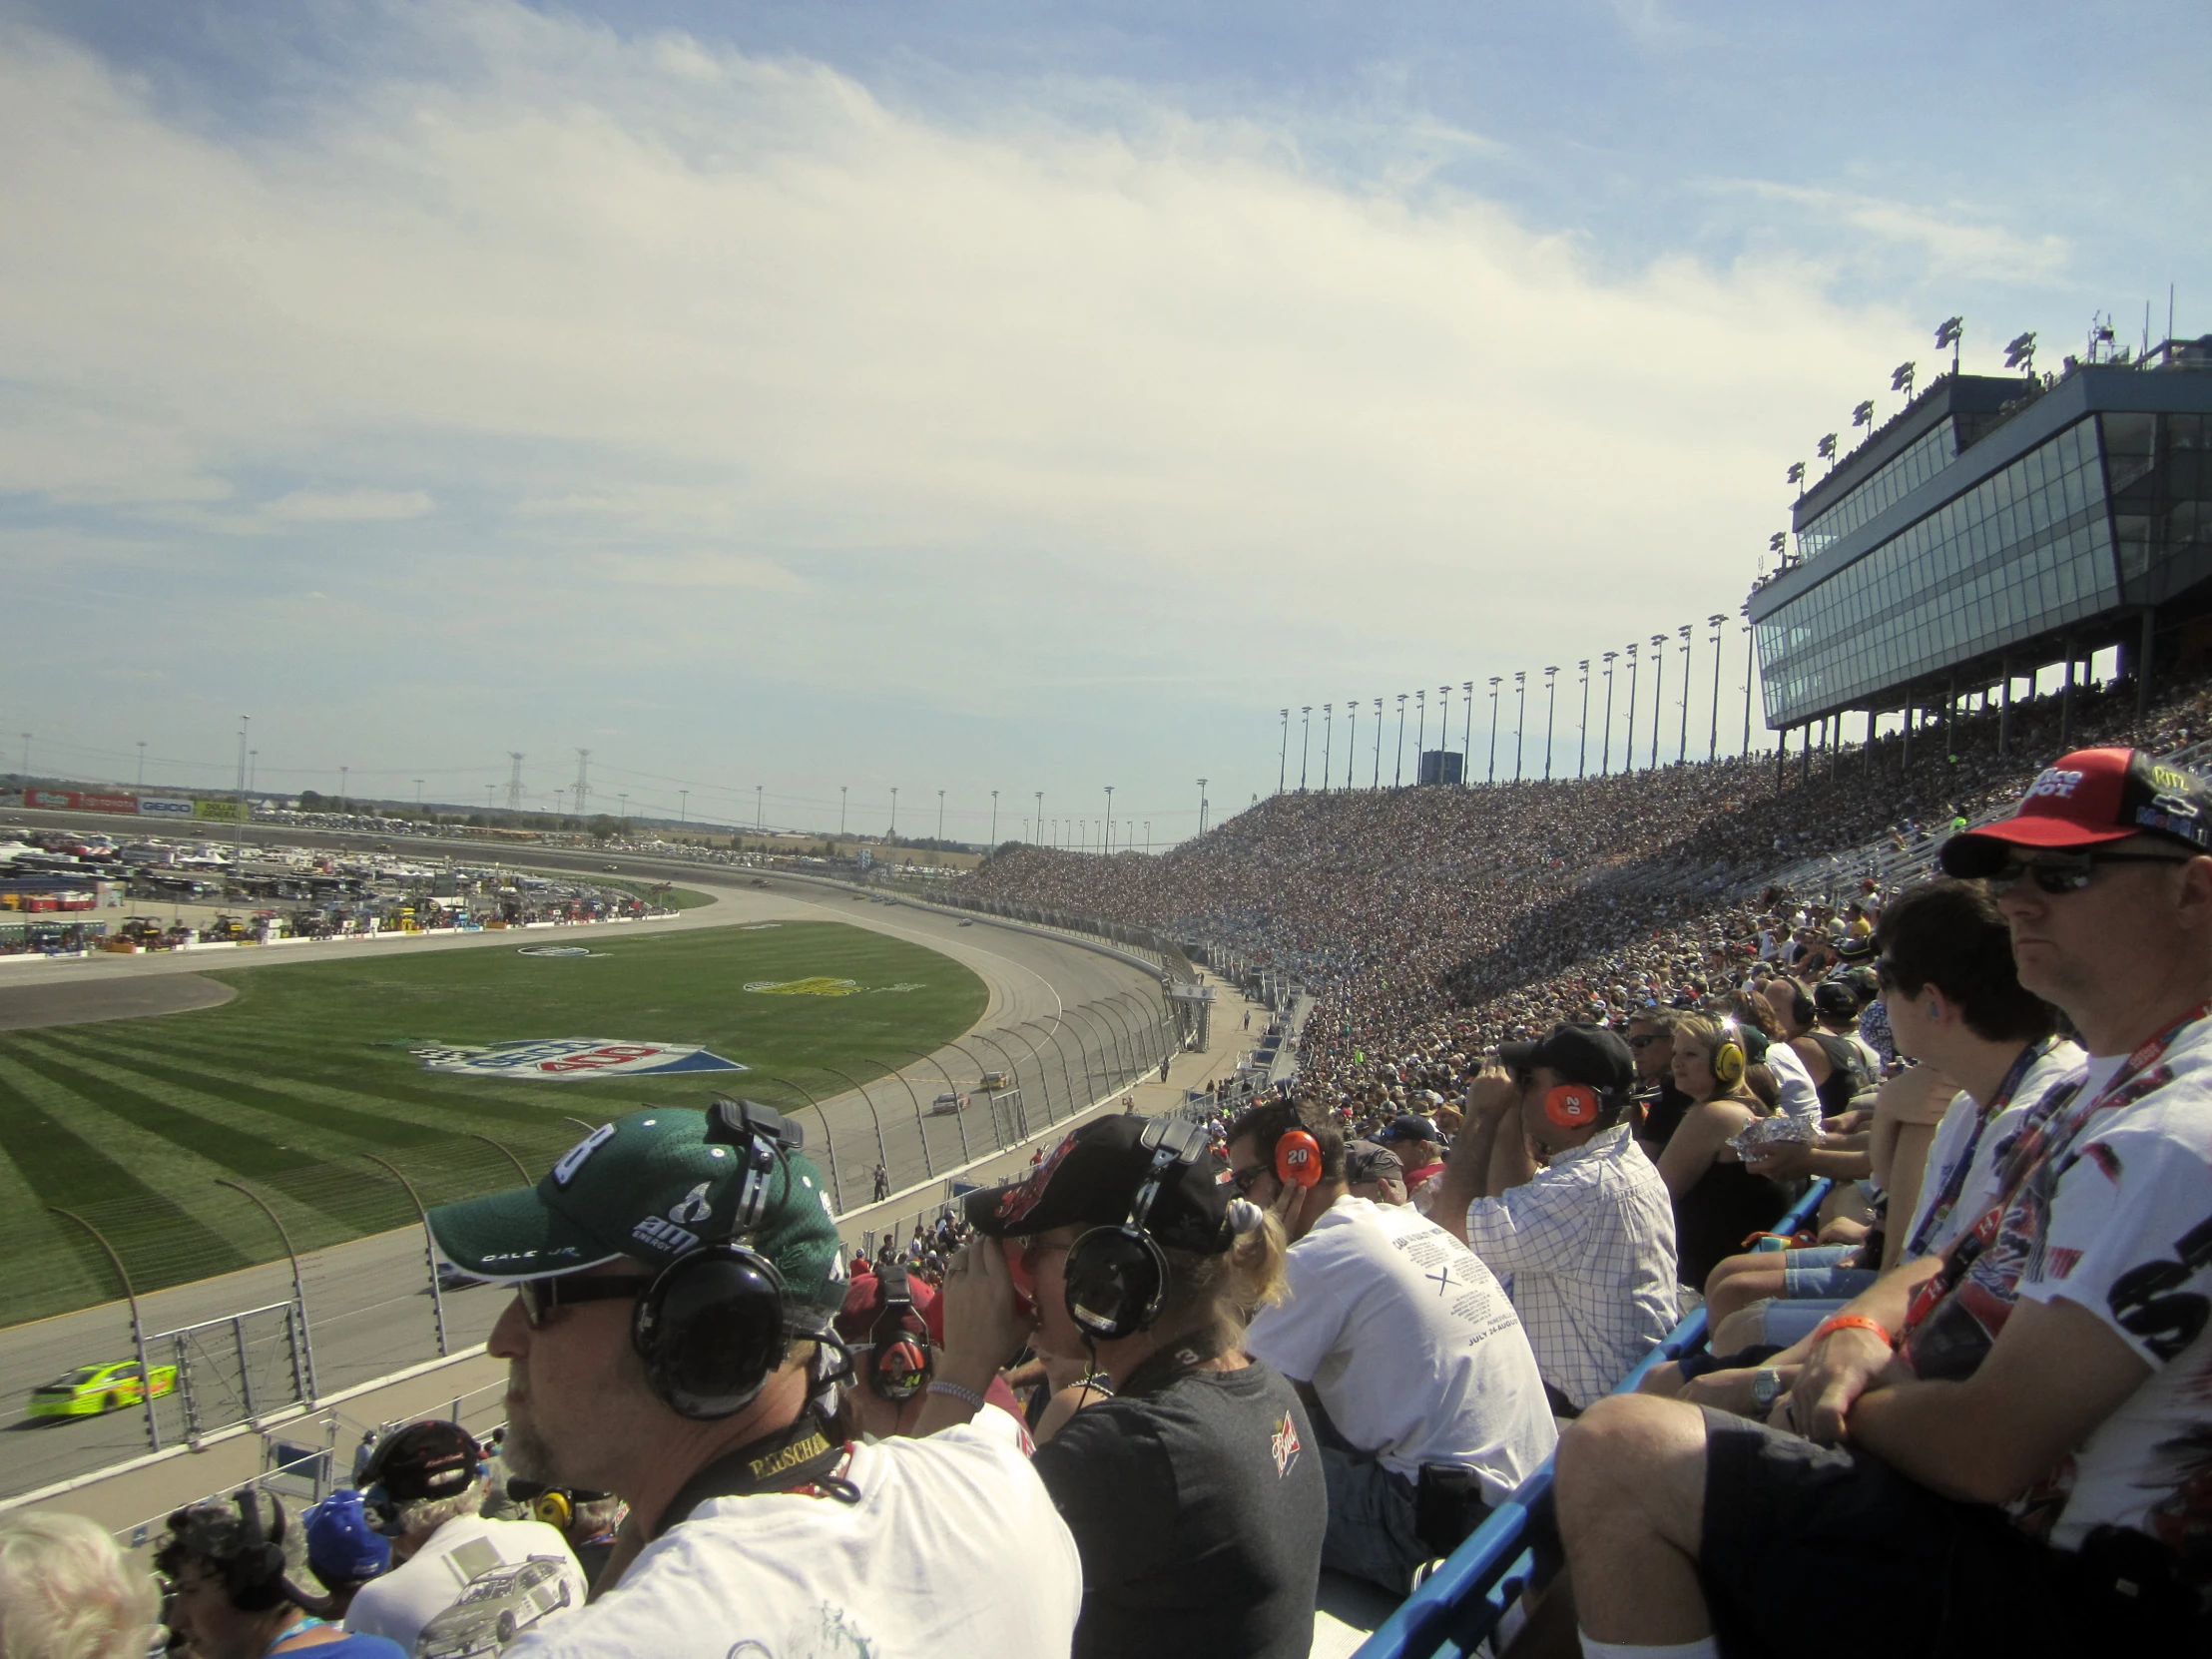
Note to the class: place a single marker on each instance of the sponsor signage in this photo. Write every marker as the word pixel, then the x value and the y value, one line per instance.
pixel 222 812
pixel 154 806
pixel 77 800
pixel 821 985
pixel 54 801
pixel 108 803
pixel 568 1059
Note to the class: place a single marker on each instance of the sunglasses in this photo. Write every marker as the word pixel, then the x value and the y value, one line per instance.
pixel 1646 1041
pixel 1245 1179
pixel 539 1297
pixel 2065 872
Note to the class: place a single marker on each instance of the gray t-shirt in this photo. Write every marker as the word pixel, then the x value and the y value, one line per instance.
pixel 1198 1509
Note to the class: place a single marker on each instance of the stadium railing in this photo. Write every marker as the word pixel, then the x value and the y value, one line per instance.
pixel 1517 1546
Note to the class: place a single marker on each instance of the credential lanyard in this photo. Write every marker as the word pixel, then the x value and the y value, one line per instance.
pixel 1955 1178
pixel 801 1458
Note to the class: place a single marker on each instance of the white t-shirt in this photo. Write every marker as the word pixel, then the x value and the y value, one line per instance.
pixel 1956 1138
pixel 2112 1212
pixel 502 1576
pixel 1800 1097
pixel 1410 1344
pixel 954 1551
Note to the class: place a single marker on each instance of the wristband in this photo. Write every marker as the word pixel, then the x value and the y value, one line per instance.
pixel 953 1390
pixel 1841 1322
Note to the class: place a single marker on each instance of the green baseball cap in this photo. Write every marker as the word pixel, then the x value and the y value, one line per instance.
pixel 655 1185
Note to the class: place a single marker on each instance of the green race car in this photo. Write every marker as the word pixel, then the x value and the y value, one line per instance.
pixel 89 1390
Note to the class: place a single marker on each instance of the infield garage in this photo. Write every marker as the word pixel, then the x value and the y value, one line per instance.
pixel 131 1123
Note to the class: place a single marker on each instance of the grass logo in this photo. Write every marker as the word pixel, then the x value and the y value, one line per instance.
pixel 567 1059
pixel 821 985
pixel 556 950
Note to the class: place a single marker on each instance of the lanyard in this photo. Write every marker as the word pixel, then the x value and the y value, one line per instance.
pixel 801 1458
pixel 299 1629
pixel 1955 1178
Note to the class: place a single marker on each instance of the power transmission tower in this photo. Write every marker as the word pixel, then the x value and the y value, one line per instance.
pixel 583 785
pixel 514 782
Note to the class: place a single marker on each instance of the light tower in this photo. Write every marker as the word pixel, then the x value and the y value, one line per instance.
pixel 1202 806
pixel 1605 749
pixel 583 783
pixel 1107 847
pixel 1658 690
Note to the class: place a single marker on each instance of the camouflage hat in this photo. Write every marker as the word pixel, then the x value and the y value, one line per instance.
pixel 652 1185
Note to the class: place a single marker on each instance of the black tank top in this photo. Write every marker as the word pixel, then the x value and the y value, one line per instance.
pixel 1844 1070
pixel 1712 1219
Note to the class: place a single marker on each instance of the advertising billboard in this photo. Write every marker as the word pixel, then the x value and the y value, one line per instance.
pixel 222 812
pixel 54 801
pixel 108 802
pixel 154 806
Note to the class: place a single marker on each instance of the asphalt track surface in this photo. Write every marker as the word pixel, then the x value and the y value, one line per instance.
pixel 368 1300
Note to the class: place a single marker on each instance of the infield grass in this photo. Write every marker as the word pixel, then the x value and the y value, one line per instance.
pixel 130 1123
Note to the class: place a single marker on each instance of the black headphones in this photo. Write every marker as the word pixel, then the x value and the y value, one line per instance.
pixel 714 1325
pixel 1117 1277
pixel 900 1363
pixel 255 1575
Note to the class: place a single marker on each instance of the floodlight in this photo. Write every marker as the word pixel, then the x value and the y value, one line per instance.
pixel 1828 447
pixel 1797 473
pixel 1778 541
pixel 1949 332
pixel 1863 415
pixel 1900 379
pixel 2020 352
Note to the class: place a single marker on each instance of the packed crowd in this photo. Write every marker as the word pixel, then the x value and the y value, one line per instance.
pixel 1157 1386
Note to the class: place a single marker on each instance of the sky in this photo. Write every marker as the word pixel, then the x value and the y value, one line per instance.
pixel 791 403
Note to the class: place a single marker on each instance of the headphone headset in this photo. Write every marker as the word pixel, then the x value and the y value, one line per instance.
pixel 1117 1277
pixel 714 1325
pixel 1802 1009
pixel 900 1363
pixel 1573 1105
pixel 1297 1159
pixel 254 1575
pixel 1728 1057
pixel 554 1508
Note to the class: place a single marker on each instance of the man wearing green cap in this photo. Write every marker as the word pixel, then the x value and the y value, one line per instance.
pixel 671 1342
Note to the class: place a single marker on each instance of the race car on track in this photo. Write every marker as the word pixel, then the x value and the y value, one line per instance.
pixel 946 1105
pixel 89 1390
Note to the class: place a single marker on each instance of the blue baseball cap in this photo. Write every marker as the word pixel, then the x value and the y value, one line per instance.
pixel 342 1547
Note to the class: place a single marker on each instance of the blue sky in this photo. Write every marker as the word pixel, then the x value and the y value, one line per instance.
pixel 976 396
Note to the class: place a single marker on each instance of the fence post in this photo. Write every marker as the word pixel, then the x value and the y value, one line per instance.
pixel 837 1184
pixel 922 1127
pixel 138 1329
pixel 882 1152
pixel 959 1117
pixel 527 1178
pixel 299 1296
pixel 429 1249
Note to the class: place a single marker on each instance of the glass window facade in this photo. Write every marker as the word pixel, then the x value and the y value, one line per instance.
pixel 1895 479
pixel 2027 550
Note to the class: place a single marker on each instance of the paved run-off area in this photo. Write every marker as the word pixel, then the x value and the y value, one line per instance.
pixel 132 1123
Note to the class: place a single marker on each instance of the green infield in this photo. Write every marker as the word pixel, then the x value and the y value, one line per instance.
pixel 132 1124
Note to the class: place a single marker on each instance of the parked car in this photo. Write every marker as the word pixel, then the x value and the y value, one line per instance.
pixel 946 1105
pixel 89 1390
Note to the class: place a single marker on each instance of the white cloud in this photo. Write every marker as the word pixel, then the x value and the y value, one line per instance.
pixel 1956 244
pixel 633 316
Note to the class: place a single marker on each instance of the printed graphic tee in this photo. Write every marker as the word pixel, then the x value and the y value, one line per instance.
pixel 1199 1508
pixel 474 1587
pixel 954 1551
pixel 1412 1346
pixel 2109 1207
pixel 1962 1134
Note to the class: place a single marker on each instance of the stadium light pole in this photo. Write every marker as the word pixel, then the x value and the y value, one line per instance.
pixel 1148 838
pixel 994 818
pixel 1520 719
pixel 1202 806
pixel 1495 679
pixel 1582 732
pixel 142 763
pixel 1040 816
pixel 1717 622
pixel 894 810
pixel 940 814
pixel 841 788
pixel 1658 690
pixel 760 808
pixel 1552 698
pixel 683 808
pixel 1466 769
pixel 1327 741
pixel 1682 743
pixel 1377 783
pixel 1628 749
pixel 1109 842
pixel 1351 741
pixel 1398 777
pixel 1751 672
pixel 1420 728
pixel 1605 749
pixel 1283 767
pixel 1305 741
pixel 1443 725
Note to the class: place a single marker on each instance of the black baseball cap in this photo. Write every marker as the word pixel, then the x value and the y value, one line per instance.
pixel 433 1459
pixel 1092 1179
pixel 1369 1161
pixel 1836 999
pixel 1579 1054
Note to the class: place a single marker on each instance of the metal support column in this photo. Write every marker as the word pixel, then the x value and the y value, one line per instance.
pixel 138 1327
pixel 299 1291
pixel 429 1249
pixel 2004 709
pixel 2144 662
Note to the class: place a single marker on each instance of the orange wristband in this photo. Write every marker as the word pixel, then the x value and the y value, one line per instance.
pixel 1852 1322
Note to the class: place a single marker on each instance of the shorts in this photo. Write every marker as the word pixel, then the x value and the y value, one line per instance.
pixel 1822 1271
pixel 1786 1323
pixel 1791 1528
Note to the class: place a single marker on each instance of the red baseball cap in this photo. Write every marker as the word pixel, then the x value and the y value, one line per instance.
pixel 2087 799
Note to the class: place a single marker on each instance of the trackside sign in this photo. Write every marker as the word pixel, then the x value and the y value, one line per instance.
pixel 571 1059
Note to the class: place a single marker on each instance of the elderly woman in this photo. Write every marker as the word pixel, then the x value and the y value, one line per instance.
pixel 1718 1202
pixel 1194 1490
pixel 66 1592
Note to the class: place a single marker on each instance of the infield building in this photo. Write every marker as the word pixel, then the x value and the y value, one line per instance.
pixel 1996 527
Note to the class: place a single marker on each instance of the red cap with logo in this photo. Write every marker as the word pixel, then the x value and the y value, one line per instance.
pixel 2087 799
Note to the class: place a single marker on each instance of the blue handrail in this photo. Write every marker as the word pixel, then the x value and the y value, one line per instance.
pixel 1517 1545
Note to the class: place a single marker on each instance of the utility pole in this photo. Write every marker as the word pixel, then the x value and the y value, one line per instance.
pixel 994 819
pixel 1605 752
pixel 1751 672
pixel 1040 814
pixel 1717 622
pixel 237 834
pixel 760 808
pixel 253 765
pixel 142 763
pixel 1682 748
pixel 940 816
pixel 1466 769
pixel 1202 806
pixel 840 810
pixel 1397 780
pixel 583 780
pixel 1109 842
pixel 1328 740
pixel 1283 767
pixel 418 792
pixel 622 811
pixel 683 807
pixel 895 808
pixel 1551 696
pixel 1305 741
pixel 1351 738
pixel 1494 680
pixel 1378 780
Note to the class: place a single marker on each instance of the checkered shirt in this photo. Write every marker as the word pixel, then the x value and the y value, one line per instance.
pixel 1586 1252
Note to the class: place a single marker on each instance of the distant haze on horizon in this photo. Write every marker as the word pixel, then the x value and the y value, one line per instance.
pixel 981 396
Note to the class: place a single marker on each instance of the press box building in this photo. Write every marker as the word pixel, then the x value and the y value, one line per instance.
pixel 1994 527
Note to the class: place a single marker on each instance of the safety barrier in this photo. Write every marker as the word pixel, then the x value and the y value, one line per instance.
pixel 1517 1546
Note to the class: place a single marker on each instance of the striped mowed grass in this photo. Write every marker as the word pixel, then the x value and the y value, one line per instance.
pixel 133 1123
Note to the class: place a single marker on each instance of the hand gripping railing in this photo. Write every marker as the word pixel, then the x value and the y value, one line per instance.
pixel 1518 1543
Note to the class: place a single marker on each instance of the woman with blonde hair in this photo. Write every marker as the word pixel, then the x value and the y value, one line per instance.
pixel 1718 1202
pixel 66 1591
pixel 1192 1490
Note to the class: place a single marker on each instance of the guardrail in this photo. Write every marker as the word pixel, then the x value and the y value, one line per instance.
pixel 1517 1546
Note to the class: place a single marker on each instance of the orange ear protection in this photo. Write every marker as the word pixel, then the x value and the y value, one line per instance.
pixel 1297 1159
pixel 1573 1105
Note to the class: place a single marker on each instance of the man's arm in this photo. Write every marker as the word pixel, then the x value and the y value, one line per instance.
pixel 1466 1171
pixel 2056 1372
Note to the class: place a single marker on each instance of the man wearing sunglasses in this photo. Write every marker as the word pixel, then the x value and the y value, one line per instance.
pixel 2004 1442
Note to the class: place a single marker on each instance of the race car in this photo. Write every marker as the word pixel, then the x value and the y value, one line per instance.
pixel 89 1390
pixel 946 1105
